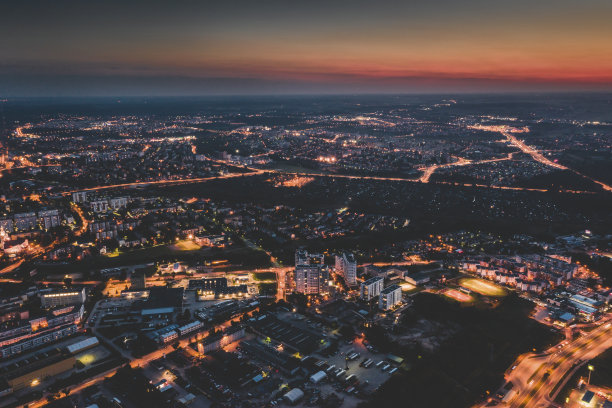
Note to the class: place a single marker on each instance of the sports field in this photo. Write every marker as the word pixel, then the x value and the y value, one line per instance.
pixel 185 245
pixel 457 295
pixel 483 287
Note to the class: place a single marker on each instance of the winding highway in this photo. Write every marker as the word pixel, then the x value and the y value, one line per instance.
pixel 537 156
pixel 538 378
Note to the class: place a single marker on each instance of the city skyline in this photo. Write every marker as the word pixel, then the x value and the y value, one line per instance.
pixel 199 48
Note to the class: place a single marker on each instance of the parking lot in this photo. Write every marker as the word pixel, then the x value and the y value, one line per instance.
pixel 373 375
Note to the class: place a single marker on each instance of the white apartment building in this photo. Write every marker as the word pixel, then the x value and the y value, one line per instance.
pixel 347 267
pixel 389 297
pixel 79 197
pixel 371 288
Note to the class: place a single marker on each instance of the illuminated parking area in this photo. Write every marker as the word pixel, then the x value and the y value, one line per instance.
pixel 92 356
pixel 483 287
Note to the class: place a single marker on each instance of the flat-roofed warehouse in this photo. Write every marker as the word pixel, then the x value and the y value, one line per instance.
pixel 290 336
pixel 36 368
pixel 82 345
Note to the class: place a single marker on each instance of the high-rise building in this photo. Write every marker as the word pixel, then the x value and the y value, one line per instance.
pixel 347 267
pixel 389 297
pixel 371 288
pixel 302 257
pixel 310 279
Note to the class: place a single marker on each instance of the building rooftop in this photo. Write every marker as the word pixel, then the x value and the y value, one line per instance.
pixel 389 289
pixel 372 280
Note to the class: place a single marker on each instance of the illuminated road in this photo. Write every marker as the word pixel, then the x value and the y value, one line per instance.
pixel 256 171
pixel 84 221
pixel 537 156
pixel 428 171
pixel 537 378
pixel 167 182
pixel 138 362
pixel 11 267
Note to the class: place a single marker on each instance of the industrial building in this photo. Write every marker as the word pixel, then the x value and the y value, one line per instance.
pixel 36 368
pixel 63 297
pixel 82 345
pixel 215 288
pixel 162 301
pixel 294 396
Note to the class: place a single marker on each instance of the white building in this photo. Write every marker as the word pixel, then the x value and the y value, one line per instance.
pixel 293 396
pixel 166 338
pixel 347 267
pixel 49 219
pixel 371 288
pixel 318 377
pixel 79 197
pixel 190 327
pixel 118 203
pixel 99 206
pixel 389 297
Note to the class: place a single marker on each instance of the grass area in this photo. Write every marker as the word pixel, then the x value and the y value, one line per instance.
pixel 483 287
pixel 485 343
pixel 244 256
pixel 264 276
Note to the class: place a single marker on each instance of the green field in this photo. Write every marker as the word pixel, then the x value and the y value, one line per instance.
pixel 264 276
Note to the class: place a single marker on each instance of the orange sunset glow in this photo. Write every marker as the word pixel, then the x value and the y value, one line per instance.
pixel 278 47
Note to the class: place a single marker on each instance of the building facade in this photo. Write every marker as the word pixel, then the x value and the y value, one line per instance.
pixel 371 288
pixel 347 267
pixel 310 279
pixel 63 298
pixel 390 297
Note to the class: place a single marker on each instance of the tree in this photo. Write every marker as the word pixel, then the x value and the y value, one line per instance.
pixel 347 332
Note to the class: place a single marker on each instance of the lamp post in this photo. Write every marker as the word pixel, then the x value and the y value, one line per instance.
pixel 591 369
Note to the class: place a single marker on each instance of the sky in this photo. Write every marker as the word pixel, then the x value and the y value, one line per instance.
pixel 122 48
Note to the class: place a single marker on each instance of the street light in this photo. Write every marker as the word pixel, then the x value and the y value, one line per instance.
pixel 591 369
